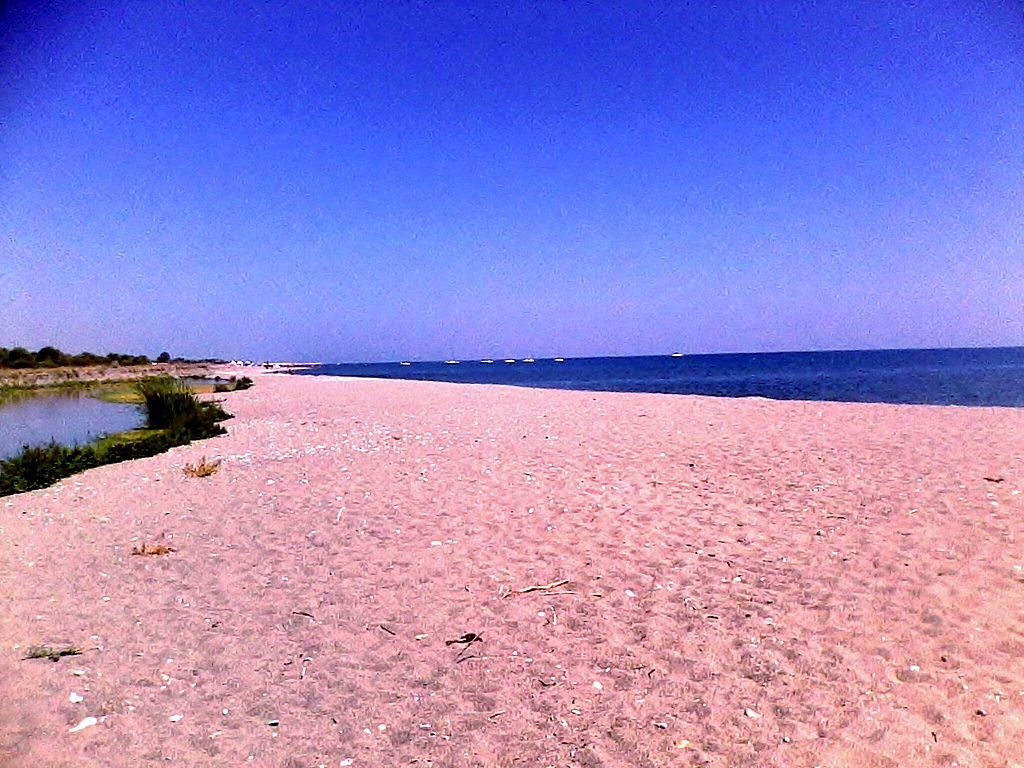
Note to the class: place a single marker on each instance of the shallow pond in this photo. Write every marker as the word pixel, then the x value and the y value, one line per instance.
pixel 69 418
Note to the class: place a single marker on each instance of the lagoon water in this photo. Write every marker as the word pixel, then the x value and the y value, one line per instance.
pixel 991 376
pixel 67 418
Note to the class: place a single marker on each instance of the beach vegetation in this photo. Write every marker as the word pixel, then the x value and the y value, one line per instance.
pixel 42 466
pixel 174 416
pixel 202 468
pixel 169 404
pixel 121 393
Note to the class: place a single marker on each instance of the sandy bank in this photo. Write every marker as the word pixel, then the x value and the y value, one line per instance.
pixel 42 377
pixel 738 582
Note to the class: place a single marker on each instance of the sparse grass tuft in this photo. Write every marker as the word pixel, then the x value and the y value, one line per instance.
pixel 152 549
pixel 53 654
pixel 202 468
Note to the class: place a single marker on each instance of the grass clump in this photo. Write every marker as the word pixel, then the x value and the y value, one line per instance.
pixel 202 468
pixel 53 654
pixel 169 404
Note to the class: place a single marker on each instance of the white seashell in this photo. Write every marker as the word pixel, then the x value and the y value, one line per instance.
pixel 176 718
pixel 86 722
pixel 76 698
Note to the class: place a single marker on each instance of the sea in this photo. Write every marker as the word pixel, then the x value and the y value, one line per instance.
pixel 989 376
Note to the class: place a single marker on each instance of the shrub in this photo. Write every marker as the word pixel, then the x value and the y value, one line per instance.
pixel 169 404
pixel 113 451
pixel 39 467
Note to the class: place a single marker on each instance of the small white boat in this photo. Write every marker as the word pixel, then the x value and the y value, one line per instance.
pixel 676 354
pixel 529 360
pixel 510 360
pixel 559 359
pixel 405 362
pixel 487 361
pixel 451 362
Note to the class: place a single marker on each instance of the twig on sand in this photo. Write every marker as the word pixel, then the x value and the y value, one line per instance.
pixel 499 713
pixel 466 641
pixel 537 588
pixel 53 654
pixel 152 549
pixel 387 629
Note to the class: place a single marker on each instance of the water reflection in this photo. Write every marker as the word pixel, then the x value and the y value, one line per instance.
pixel 69 418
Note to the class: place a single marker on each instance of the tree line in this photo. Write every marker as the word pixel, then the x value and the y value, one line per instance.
pixel 51 357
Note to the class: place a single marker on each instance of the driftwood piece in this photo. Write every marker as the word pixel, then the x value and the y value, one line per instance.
pixel 537 587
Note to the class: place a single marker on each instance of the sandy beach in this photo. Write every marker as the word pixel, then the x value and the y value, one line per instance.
pixel 424 574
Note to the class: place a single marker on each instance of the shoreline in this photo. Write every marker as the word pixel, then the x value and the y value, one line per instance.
pixel 780 583
pixel 724 398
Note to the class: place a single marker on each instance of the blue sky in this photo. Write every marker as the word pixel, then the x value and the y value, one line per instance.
pixel 420 180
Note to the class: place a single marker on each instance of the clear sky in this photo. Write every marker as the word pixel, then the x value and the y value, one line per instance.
pixel 426 180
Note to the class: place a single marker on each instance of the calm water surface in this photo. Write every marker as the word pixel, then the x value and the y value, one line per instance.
pixel 68 418
pixel 983 376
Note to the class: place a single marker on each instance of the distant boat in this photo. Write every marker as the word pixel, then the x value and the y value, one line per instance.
pixel 676 354
pixel 529 360
pixel 559 359
pixel 486 361
pixel 510 360
pixel 405 362
pixel 451 362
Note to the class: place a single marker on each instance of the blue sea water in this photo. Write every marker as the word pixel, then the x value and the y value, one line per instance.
pixel 991 376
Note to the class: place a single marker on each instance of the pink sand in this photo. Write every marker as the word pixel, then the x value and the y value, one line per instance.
pixel 748 583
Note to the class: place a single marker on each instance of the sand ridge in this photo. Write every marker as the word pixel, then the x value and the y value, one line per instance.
pixel 743 582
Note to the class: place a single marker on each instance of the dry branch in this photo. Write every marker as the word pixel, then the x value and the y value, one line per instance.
pixel 537 587
pixel 152 549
